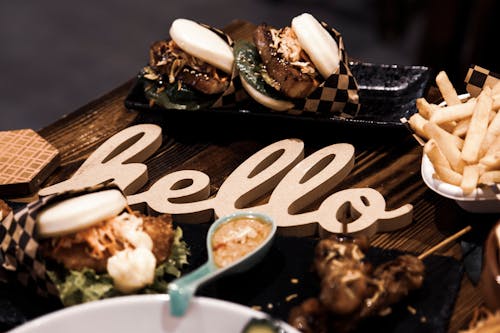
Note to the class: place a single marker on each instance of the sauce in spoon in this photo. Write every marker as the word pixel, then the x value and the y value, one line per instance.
pixel 235 243
pixel 238 237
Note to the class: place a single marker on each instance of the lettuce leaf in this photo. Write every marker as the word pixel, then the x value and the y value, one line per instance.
pixel 171 96
pixel 77 287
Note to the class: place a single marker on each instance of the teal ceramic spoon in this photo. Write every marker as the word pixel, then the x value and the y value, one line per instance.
pixel 182 290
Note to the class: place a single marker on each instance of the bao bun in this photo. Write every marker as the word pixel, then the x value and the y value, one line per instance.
pixel 202 43
pixel 279 72
pixel 317 43
pixel 79 213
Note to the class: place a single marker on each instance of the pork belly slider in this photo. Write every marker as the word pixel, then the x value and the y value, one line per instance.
pixel 191 70
pixel 288 63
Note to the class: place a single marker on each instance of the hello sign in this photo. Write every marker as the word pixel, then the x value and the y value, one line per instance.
pixel 294 183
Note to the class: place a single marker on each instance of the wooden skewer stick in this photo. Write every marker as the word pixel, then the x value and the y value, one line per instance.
pixel 445 242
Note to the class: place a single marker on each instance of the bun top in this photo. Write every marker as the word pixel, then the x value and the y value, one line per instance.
pixel 79 213
pixel 202 43
pixel 317 43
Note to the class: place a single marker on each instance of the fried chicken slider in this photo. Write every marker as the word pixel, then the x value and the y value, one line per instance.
pixel 98 231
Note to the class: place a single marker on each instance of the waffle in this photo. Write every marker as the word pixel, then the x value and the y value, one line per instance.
pixel 26 160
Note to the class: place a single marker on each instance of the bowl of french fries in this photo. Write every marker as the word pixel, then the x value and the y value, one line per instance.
pixel 461 139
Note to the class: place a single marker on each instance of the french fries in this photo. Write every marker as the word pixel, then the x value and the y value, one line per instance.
pixel 447 90
pixel 463 137
pixel 446 144
pixel 477 128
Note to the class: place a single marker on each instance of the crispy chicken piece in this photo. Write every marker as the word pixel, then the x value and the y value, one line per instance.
pixel 160 230
pixel 76 257
pixel 91 248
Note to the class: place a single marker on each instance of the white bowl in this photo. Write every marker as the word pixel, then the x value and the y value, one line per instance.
pixel 145 313
pixel 462 97
pixel 484 199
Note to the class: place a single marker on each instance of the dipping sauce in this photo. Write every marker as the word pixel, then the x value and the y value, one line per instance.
pixel 236 238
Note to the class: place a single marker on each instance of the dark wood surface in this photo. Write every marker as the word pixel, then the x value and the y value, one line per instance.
pixel 387 160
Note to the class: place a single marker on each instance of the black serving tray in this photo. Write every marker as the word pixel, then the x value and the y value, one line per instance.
pixel 270 286
pixel 387 94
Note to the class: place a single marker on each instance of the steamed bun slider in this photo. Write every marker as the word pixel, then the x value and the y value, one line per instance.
pixel 288 63
pixel 189 71
pixel 96 247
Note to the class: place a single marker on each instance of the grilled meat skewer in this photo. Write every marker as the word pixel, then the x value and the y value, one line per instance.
pixel 350 289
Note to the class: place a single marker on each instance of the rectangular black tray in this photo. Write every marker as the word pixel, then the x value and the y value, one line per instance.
pixel 387 94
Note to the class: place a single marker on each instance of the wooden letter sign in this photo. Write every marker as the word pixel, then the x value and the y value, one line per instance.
pixel 278 171
pixel 118 158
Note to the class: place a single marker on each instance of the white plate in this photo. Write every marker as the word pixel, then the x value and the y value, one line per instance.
pixel 145 313
pixel 485 199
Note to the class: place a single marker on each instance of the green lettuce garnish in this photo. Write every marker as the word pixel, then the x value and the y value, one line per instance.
pixel 173 96
pixel 77 287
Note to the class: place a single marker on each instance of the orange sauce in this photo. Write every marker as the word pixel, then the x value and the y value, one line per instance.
pixel 236 238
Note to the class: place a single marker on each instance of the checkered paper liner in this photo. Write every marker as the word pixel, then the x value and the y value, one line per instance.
pixel 20 253
pixel 477 78
pixel 338 94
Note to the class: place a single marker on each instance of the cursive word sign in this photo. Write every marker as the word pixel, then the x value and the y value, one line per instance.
pixel 278 172
pixel 119 159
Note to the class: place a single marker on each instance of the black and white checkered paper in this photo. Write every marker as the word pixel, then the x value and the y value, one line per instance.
pixel 477 78
pixel 338 94
pixel 20 254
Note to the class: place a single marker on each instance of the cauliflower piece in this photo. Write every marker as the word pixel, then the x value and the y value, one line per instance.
pixel 132 270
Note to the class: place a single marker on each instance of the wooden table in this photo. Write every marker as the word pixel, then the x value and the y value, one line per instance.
pixel 388 162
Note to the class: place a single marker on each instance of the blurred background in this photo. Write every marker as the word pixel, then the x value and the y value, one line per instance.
pixel 56 56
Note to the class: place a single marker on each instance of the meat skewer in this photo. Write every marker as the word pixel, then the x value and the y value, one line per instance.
pixel 351 290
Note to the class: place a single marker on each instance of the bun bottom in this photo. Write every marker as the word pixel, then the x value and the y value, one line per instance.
pixel 269 102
